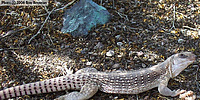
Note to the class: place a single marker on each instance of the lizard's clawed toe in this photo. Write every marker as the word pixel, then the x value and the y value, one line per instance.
pixel 178 92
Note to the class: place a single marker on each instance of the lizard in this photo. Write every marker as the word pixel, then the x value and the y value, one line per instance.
pixel 89 81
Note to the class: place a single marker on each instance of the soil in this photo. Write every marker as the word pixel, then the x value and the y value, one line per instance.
pixel 140 34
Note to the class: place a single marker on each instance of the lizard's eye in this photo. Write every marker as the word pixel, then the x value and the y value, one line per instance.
pixel 182 56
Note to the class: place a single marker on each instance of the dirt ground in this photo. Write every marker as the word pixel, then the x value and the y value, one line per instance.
pixel 140 34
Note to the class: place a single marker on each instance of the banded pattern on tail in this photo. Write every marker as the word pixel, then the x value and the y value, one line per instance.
pixel 52 85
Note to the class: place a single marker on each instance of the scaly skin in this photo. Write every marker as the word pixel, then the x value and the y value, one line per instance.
pixel 89 81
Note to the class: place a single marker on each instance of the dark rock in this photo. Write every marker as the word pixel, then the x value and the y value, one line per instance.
pixel 83 16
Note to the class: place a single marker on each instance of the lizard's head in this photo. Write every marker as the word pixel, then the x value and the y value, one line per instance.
pixel 179 62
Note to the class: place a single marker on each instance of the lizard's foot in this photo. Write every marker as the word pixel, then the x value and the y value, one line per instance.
pixel 188 95
pixel 87 91
pixel 178 92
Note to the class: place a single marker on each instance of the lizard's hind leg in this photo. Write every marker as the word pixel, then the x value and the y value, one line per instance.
pixel 86 92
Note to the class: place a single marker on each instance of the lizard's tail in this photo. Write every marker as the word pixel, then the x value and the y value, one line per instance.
pixel 51 85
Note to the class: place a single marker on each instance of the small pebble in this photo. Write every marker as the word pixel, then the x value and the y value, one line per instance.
pixel 90 53
pixel 116 66
pixel 130 53
pixel 95 54
pixel 117 36
pixel 94 33
pixel 110 53
pixel 120 55
pixel 99 45
pixel 181 40
pixel 143 65
pixel 119 44
pixel 140 53
pixel 84 50
pixel 89 63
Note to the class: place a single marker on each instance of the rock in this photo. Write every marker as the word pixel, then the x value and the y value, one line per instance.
pixel 116 66
pixel 84 50
pixel 119 44
pixel 90 53
pixel 140 53
pixel 95 54
pixel 144 65
pixel 181 40
pixel 117 36
pixel 89 63
pixel 110 53
pixel 121 10
pixel 84 15
pixel 120 55
pixel 99 45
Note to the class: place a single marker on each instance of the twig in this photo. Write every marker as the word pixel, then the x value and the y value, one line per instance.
pixel 173 26
pixel 65 5
pixel 113 3
pixel 12 32
pixel 49 13
pixel 59 8
pixel 9 49
pixel 194 29
pixel 121 15
pixel 184 16
pixel 41 26
pixel 197 83
pixel 137 96
pixel 49 36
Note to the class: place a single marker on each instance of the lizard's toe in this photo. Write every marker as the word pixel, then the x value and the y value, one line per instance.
pixel 178 92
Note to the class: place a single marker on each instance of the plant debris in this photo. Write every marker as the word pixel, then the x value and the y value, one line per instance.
pixel 141 33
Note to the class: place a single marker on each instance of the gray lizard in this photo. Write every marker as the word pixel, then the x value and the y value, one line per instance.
pixel 89 81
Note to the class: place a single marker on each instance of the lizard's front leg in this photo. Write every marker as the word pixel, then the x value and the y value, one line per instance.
pixel 86 92
pixel 183 94
pixel 164 90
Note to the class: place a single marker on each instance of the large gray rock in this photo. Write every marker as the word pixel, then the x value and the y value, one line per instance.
pixel 83 16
